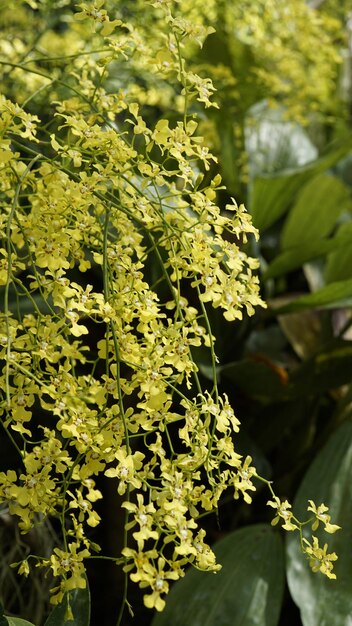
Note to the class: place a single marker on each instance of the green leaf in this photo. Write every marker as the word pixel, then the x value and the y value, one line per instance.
pixel 318 206
pixel 79 602
pixel 271 196
pixel 17 621
pixel 295 257
pixel 339 262
pixel 338 294
pixel 246 592
pixel 322 601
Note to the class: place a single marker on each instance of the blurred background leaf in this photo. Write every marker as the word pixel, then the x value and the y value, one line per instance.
pixel 329 477
pixel 247 591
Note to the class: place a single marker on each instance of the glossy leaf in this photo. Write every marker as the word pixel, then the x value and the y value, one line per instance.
pixel 271 196
pixel 339 262
pixel 79 602
pixel 296 256
pixel 17 621
pixel 331 296
pixel 322 601
pixel 246 592
pixel 318 206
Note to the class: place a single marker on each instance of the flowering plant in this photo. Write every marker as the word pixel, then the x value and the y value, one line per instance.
pixel 113 248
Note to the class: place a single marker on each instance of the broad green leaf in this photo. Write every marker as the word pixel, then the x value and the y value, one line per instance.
pixel 246 592
pixel 325 602
pixel 271 196
pixel 343 170
pixel 17 621
pixel 339 262
pixel 79 601
pixel 331 296
pixel 295 257
pixel 318 206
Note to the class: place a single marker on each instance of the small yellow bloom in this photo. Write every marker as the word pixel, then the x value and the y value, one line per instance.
pixel 319 559
pixel 283 512
pixel 321 515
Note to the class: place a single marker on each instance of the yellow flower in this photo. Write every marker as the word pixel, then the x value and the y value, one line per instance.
pixel 144 517
pixel 321 515
pixel 319 559
pixel 127 469
pixel 284 513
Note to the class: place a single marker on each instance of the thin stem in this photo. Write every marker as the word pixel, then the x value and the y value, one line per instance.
pixel 65 57
pixel 9 277
pixel 183 79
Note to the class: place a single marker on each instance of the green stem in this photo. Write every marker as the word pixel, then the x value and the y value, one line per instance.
pixel 9 277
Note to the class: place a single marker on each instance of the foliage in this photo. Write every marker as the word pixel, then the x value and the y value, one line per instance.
pixel 123 254
pixel 253 561
pixel 332 603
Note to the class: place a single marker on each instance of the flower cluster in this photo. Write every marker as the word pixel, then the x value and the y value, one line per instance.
pixel 97 354
pixel 112 248
pixel 319 559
